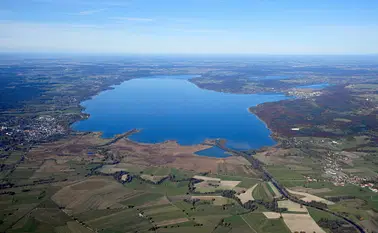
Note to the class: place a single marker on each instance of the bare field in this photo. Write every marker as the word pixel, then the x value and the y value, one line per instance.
pixel 154 179
pixel 311 190
pixel 292 206
pixel 272 215
pixel 172 155
pixel 309 197
pixel 229 183
pixel 301 223
pixel 74 146
pixel 206 178
pixel 210 184
pixel 83 147
pixel 134 157
pixel 247 196
pixel 169 154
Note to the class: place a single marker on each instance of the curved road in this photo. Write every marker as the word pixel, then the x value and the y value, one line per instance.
pixel 285 194
pixel 256 164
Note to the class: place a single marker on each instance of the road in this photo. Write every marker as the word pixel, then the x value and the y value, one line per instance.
pixel 257 165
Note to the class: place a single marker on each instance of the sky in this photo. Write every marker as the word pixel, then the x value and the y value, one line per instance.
pixel 190 26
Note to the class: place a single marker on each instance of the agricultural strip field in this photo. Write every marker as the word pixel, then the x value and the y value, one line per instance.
pixel 282 173
pixel 301 223
pixel 292 206
pixel 274 190
pixel 261 224
pixel 309 197
pixel 261 192
pixel 124 221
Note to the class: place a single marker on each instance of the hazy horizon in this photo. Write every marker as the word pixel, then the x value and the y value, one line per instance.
pixel 198 27
pixel 162 54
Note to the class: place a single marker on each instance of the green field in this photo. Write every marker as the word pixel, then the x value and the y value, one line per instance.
pixel 142 199
pixel 283 173
pixel 261 224
pixel 124 221
pixel 166 188
pixel 260 194
pixel 318 214
pixel 33 211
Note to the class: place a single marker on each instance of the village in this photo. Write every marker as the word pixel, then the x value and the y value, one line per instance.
pixel 334 171
pixel 304 93
pixel 29 130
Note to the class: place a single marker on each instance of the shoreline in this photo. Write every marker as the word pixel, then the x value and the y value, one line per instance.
pixel 275 136
pixel 85 116
pixel 271 135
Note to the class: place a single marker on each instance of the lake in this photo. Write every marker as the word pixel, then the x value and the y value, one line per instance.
pixel 315 86
pixel 172 108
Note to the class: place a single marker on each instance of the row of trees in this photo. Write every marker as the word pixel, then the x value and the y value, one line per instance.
pixel 336 226
pixel 340 198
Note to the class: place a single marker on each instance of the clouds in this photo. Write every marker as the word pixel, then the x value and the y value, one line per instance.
pixel 106 3
pixel 121 39
pixel 136 19
pixel 90 12
pixel 195 26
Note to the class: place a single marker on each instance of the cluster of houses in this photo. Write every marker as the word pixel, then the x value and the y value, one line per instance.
pixel 29 130
pixel 370 186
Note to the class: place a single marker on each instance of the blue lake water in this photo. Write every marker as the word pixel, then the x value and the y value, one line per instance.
pixel 172 108
pixel 315 86
pixel 213 152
